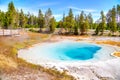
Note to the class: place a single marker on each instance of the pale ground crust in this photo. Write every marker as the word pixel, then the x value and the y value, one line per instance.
pixel 108 69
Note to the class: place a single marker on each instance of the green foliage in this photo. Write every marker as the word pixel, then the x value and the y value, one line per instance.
pixel 102 24
pixel 17 19
pixel 11 14
pixel 14 51
pixel 31 26
pixel 95 25
pixel 32 30
pixel 83 23
pixel 97 29
pixel 111 19
pixel 76 27
pixel 68 22
pixel 60 24
pixel 118 9
pixel 90 20
pixel 41 20
pixel 22 20
pixel 113 23
pixel 52 25
pixel 4 20
pixel 16 24
pixel 86 25
pixel 48 16
pixel 64 22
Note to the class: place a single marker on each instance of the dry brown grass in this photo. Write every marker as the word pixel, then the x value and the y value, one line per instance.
pixel 111 43
pixel 7 62
pixel 116 54
pixel 8 55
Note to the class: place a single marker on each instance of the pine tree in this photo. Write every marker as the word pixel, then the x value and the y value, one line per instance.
pixel 35 22
pixel 118 10
pixel 2 16
pixel 113 26
pixel 52 25
pixel 31 20
pixel 118 18
pixel 60 24
pixel 28 18
pixel 17 19
pixel 103 24
pixel 48 16
pixel 97 29
pixel 109 19
pixel 22 19
pixel 70 21
pixel 81 23
pixel 11 14
pixel 86 25
pixel 76 25
pixel 64 22
pixel 90 20
pixel 40 20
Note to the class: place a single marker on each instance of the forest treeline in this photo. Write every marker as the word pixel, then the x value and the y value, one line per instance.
pixel 69 24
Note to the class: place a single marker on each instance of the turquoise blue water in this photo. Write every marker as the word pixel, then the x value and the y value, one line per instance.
pixel 70 50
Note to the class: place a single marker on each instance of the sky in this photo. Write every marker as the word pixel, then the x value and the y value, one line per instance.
pixel 59 7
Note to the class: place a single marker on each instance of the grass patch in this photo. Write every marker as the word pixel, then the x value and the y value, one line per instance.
pixel 109 42
pixel 10 45
pixel 57 74
pixel 116 54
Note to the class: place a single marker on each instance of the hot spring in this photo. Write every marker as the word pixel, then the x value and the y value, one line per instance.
pixel 75 57
pixel 69 51
pixel 66 51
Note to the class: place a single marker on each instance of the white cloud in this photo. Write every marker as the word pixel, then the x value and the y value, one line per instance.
pixel 26 10
pixel 3 8
pixel 85 10
pixel 57 16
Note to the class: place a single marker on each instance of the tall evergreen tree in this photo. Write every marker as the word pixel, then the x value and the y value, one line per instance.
pixel 76 25
pixel 40 20
pixel 90 20
pixel 86 25
pixel 22 19
pixel 35 21
pixel 29 18
pixel 113 26
pixel 70 20
pixel 118 18
pixel 2 16
pixel 52 25
pixel 11 14
pixel 17 19
pixel 48 16
pixel 64 22
pixel 97 29
pixel 81 23
pixel 109 19
pixel 118 10
pixel 103 22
